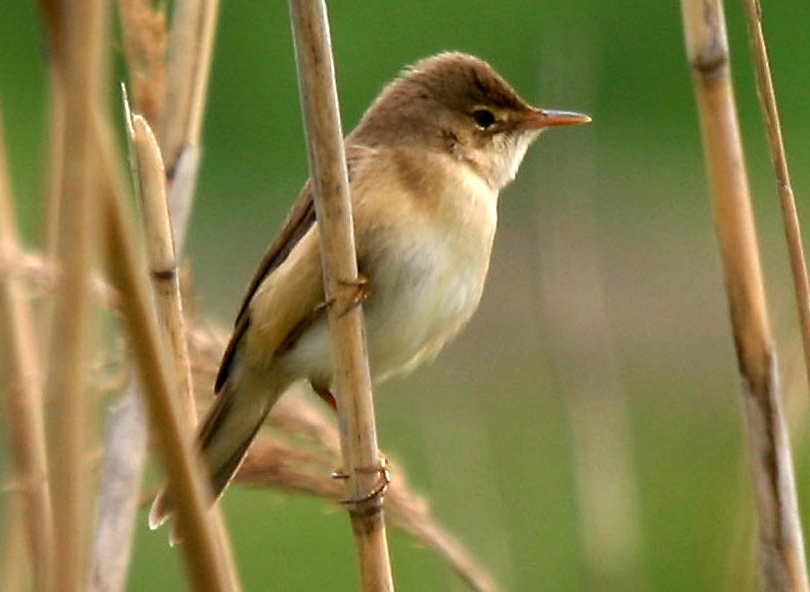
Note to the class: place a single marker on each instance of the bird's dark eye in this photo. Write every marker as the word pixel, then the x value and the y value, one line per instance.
pixel 484 118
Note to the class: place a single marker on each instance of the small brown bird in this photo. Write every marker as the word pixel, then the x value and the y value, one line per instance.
pixel 425 165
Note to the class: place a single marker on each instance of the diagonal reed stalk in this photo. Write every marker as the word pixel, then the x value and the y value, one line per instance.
pixel 787 202
pixel 151 178
pixel 327 160
pixel 163 268
pixel 175 104
pixel 781 557
pixel 206 564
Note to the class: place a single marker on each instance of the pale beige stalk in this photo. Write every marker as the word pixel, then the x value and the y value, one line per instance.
pixel 163 266
pixel 151 177
pixel 787 201
pixel 191 45
pixel 22 395
pixel 193 28
pixel 316 79
pixel 83 28
pixel 781 556
pixel 145 47
pixel 207 569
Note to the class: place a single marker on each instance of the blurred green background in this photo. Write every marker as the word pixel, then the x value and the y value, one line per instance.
pixel 584 432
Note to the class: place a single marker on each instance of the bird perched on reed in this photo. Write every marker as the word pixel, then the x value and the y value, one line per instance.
pixel 426 164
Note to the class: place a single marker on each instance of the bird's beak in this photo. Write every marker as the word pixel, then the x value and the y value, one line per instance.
pixel 543 118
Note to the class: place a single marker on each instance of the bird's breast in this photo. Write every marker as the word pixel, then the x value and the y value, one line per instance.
pixel 426 268
pixel 424 242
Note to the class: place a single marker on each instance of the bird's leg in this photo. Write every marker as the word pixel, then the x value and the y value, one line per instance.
pixel 382 468
pixel 378 490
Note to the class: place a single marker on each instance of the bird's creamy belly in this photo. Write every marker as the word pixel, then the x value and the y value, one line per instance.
pixel 419 299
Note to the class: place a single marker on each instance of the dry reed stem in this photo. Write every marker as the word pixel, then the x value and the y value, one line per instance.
pixel 84 28
pixel 122 467
pixel 316 80
pixel 790 217
pixel 146 59
pixel 782 563
pixel 144 41
pixel 124 446
pixel 206 567
pixel 191 51
pixel 22 395
pixel 14 560
pixel 193 29
pixel 121 473
pixel 151 179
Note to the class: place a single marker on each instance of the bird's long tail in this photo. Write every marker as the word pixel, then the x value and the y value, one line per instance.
pixel 223 439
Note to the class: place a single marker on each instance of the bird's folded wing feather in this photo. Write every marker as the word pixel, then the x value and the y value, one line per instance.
pixel 287 287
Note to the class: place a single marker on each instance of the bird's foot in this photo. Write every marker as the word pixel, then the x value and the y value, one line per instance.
pixel 361 292
pixel 380 488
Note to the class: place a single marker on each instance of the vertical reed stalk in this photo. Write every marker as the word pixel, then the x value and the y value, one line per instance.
pixel 83 27
pixel 782 563
pixel 316 80
pixel 14 561
pixel 191 45
pixel 22 395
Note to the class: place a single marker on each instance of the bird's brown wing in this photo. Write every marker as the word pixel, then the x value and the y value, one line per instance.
pixel 299 221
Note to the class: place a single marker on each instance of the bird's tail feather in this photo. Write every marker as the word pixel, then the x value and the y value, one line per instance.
pixel 223 439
